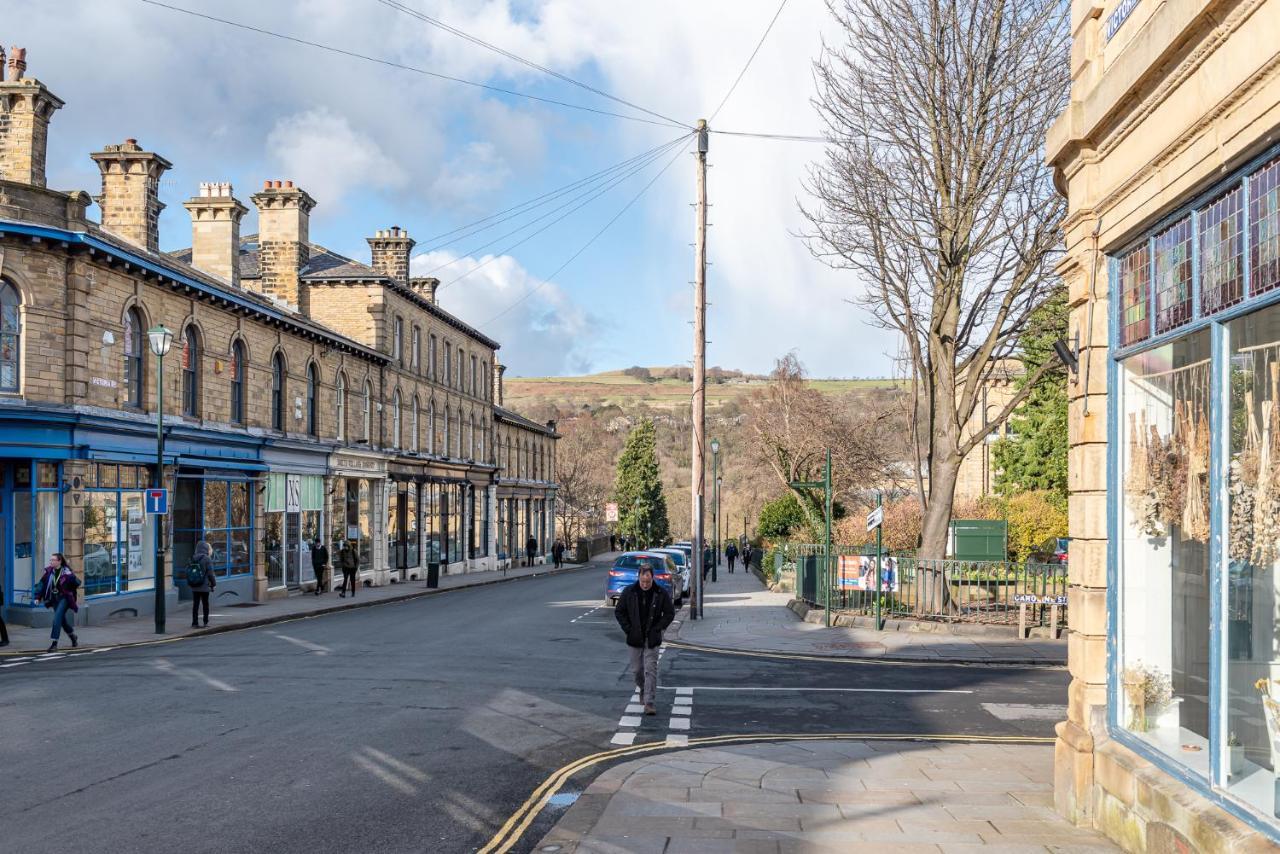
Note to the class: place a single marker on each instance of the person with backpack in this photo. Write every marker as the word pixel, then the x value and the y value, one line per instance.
pixel 319 563
pixel 57 590
pixel 349 561
pixel 4 630
pixel 200 581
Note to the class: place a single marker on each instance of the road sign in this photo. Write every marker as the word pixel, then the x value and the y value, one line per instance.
pixel 1034 599
pixel 611 511
pixel 157 501
pixel 874 518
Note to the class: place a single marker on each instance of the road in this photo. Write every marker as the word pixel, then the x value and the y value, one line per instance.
pixel 416 726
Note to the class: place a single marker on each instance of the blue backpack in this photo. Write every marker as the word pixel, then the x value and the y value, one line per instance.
pixel 195 574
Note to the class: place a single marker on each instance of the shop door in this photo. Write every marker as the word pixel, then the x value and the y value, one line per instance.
pixel 292 549
pixel 444 523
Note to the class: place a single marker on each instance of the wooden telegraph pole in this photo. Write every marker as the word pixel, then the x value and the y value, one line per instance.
pixel 699 366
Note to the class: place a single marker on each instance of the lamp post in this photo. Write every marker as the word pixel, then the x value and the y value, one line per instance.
pixel 715 506
pixel 161 339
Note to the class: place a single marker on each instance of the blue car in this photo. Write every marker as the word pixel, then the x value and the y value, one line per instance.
pixel 627 567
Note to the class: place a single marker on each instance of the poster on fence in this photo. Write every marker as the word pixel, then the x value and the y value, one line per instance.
pixel 858 572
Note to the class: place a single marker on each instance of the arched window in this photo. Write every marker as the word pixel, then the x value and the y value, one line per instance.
pixel 313 401
pixel 432 368
pixel 475 388
pixel 341 393
pixel 395 419
pixel 237 381
pixel 415 351
pixel 191 373
pixel 10 336
pixel 397 340
pixel 509 468
pixel 367 415
pixel 414 427
pixel 134 352
pixel 461 370
pixel 448 424
pixel 277 391
pixel 486 382
pixel 471 438
pixel 431 426
pixel 448 364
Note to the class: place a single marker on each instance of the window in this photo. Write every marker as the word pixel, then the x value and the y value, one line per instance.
pixel 461 375
pixel 475 389
pixel 313 401
pixel 448 422
pixel 431 426
pixel 341 393
pixel 395 419
pixel 471 438
pixel 366 425
pixel 1264 218
pixel 1173 276
pixel 415 352
pixel 448 364
pixel 431 356
pixel 486 384
pixel 277 391
pixel 413 426
pixel 1222 252
pixel 119 551
pixel 10 336
pixel 1135 292
pixel 133 358
pixel 397 340
pixel 191 372
pixel 237 381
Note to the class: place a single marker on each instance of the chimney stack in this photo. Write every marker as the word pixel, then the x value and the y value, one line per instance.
pixel 426 287
pixel 498 370
pixel 391 248
pixel 25 109
pixel 284 226
pixel 130 198
pixel 215 231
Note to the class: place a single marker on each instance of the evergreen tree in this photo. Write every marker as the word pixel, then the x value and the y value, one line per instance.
pixel 642 508
pixel 1035 458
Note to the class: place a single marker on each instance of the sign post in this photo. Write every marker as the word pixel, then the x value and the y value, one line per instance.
pixel 157 501
pixel 875 519
pixel 825 486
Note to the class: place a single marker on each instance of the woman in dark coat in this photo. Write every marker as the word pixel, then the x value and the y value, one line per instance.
pixel 57 589
pixel 200 592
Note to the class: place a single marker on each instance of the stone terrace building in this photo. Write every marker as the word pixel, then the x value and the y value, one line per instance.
pixel 1169 154
pixel 307 396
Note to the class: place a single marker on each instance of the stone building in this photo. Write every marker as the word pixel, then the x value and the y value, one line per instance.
pixel 307 396
pixel 1169 155
pixel 977 476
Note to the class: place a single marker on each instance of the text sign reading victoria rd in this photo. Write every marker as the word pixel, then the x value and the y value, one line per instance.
pixel 874 518
pixel 157 501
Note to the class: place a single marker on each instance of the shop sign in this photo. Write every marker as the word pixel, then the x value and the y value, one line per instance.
pixel 357 463
pixel 293 493
pixel 353 532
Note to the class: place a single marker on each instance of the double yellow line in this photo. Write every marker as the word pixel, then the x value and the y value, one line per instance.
pixel 515 827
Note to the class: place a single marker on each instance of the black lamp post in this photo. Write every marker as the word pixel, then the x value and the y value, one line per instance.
pixel 161 339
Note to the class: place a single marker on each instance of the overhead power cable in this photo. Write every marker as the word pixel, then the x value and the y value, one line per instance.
pixel 738 79
pixel 494 219
pixel 436 22
pixel 592 192
pixel 786 137
pixel 506 250
pixel 399 65
pixel 593 239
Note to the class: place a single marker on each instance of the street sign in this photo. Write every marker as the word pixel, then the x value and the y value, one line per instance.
pixel 157 501
pixel 874 518
pixel 1034 599
pixel 611 511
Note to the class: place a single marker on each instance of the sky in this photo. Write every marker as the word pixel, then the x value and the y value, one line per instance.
pixel 378 146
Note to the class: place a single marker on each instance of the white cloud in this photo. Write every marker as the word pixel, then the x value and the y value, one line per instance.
pixel 474 173
pixel 323 153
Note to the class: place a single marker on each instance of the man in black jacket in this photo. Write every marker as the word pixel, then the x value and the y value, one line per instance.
pixel 644 611
pixel 319 563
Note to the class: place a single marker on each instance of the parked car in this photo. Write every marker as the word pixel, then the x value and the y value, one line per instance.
pixel 627 567
pixel 1053 551
pixel 684 563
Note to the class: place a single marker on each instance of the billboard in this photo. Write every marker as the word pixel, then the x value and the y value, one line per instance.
pixel 858 572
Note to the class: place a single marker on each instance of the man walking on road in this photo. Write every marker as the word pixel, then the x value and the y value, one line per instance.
pixel 319 563
pixel 644 611
pixel 731 554
pixel 349 561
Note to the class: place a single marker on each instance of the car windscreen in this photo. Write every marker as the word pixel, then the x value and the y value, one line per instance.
pixel 678 557
pixel 637 562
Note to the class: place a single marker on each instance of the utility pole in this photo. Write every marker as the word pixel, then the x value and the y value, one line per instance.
pixel 699 364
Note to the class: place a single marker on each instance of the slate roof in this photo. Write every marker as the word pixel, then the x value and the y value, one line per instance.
pixel 518 419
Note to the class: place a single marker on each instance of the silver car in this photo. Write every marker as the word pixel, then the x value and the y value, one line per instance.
pixel 681 558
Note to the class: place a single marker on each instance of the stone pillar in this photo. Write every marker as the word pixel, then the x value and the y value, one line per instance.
pixel 390 248
pixel 498 370
pixel 426 287
pixel 284 226
pixel 26 107
pixel 215 231
pixel 130 198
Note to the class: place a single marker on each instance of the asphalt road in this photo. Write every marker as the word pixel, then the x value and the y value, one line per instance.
pixel 416 726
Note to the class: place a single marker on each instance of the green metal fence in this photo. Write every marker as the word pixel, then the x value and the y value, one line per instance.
pixel 972 591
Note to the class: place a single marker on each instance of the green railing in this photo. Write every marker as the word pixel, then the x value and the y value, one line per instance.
pixel 945 590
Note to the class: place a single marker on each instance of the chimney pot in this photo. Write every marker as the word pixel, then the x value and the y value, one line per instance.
pixel 266 185
pixel 1 64
pixel 17 62
pixel 283 235
pixel 289 184
pixel 130 199
pixel 215 231
pixel 26 108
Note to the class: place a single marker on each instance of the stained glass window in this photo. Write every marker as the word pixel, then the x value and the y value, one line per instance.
pixel 10 336
pixel 1135 294
pixel 1222 252
pixel 1264 216
pixel 1173 276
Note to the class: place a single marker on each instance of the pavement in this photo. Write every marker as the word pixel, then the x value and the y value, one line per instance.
pixel 24 640
pixel 741 613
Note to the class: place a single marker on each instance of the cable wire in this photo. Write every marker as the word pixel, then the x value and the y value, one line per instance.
pixel 401 66
pixel 436 22
pixel 786 137
pixel 593 239
pixel 738 79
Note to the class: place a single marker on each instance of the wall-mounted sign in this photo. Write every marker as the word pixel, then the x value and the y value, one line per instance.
pixel 104 382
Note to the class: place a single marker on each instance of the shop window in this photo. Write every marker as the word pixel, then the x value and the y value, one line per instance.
pixel 1165 618
pixel 237 381
pixel 365 517
pixel 10 336
pixel 1264 218
pixel 134 353
pixel 341 406
pixel 1134 271
pixel 430 523
pixel 1173 276
pixel 1222 252
pixel 191 372
pixel 278 391
pixel 119 538
pixel 411 527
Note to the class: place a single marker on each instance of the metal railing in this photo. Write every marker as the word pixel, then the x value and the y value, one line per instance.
pixel 941 590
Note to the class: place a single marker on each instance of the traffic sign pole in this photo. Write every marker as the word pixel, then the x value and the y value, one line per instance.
pixel 879 551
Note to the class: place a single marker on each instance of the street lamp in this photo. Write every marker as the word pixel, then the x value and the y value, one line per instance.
pixel 715 505
pixel 161 340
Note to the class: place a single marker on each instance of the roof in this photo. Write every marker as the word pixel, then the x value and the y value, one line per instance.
pixel 520 421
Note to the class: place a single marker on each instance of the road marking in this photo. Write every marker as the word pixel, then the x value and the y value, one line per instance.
pixel 838 690
pixel 634 709
pixel 623 738
pixel 307 645
pixel 190 673
pixel 883 661
pixel 682 710
pixel 15 664
pixel 395 782
pixel 674 740
pixel 1026 711
pixel 678 723
pixel 588 614
pixel 403 767
pixel 629 721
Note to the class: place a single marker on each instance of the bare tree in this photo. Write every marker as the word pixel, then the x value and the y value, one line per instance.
pixel 933 189
pixel 584 472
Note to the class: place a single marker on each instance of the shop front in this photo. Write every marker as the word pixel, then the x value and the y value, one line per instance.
pixel 293 515
pixel 524 513
pixel 357 496
pixel 406 485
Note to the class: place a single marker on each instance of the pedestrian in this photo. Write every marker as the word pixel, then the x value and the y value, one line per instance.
pixel 200 581
pixel 644 611
pixel 320 564
pixel 613 542
pixel 557 553
pixel 531 549
pixel 708 555
pixel 4 630
pixel 731 554
pixel 349 562
pixel 57 589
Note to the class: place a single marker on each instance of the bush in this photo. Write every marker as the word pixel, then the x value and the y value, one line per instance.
pixel 639 373
pixel 779 518
pixel 1034 517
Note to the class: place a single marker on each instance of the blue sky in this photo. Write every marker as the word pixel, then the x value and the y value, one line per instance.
pixel 379 146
